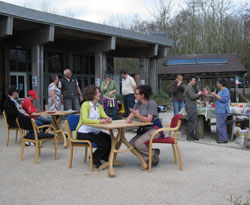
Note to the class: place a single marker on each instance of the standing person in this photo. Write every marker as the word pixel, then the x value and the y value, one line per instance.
pixel 222 101
pixel 128 90
pixel 30 108
pixel 54 100
pixel 108 89
pixel 145 110
pixel 70 91
pixel 177 94
pixel 191 108
pixel 93 113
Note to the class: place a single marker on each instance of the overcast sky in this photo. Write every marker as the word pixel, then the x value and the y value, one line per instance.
pixel 100 11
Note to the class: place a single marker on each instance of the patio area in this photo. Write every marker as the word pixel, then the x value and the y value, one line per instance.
pixel 211 173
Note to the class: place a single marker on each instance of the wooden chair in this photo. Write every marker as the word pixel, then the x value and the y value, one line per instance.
pixel 71 123
pixel 25 123
pixel 9 128
pixel 173 127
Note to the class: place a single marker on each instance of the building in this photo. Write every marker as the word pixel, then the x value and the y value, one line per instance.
pixel 207 68
pixel 34 45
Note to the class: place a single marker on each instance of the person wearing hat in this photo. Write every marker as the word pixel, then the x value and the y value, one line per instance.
pixel 29 107
pixel 12 108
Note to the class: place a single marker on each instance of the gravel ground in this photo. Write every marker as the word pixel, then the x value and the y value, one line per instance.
pixel 212 173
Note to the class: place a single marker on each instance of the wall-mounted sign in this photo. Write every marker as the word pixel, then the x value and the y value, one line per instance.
pixel 142 82
pixel 98 82
pixel 34 81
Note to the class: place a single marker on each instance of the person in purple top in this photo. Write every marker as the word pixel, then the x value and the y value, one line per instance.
pixel 222 101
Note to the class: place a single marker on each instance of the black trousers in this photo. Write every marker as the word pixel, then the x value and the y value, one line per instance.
pixel 103 142
pixel 191 109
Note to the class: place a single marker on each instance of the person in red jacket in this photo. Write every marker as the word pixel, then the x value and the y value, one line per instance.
pixel 29 107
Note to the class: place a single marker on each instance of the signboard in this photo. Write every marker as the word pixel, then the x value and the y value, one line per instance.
pixel 34 81
pixel 98 82
pixel 142 82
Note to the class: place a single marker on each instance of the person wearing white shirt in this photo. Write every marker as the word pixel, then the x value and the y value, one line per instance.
pixel 128 91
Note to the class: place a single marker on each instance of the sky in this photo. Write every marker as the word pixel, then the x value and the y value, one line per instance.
pixel 101 11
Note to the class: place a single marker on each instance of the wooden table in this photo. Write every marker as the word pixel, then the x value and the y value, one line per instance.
pixel 116 142
pixel 204 115
pixel 57 122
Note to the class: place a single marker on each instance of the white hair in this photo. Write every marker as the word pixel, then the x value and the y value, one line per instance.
pixel 66 71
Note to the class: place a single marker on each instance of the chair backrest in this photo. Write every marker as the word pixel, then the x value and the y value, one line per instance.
pixel 73 121
pixel 5 119
pixel 175 119
pixel 25 122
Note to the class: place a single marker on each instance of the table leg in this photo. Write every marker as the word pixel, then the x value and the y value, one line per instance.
pixel 111 155
pixel 200 127
pixel 58 124
pixel 234 123
pixel 118 145
pixel 133 150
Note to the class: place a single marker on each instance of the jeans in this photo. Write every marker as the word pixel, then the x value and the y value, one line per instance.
pixel 110 109
pixel 71 103
pixel 177 106
pixel 191 109
pixel 129 102
pixel 42 120
pixel 221 126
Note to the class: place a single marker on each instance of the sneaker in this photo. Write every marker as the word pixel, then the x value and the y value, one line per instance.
pixel 27 144
pixel 155 160
pixel 32 144
pixel 157 151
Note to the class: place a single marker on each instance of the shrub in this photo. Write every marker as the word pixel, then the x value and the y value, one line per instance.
pixel 161 98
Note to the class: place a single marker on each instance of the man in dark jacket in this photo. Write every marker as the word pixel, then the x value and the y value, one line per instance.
pixel 12 108
pixel 177 94
pixel 191 108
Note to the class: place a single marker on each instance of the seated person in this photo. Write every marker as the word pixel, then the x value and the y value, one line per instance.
pixel 28 106
pixel 13 109
pixel 92 113
pixel 206 97
pixel 146 111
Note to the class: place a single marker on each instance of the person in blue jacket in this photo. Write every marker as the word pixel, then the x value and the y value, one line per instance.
pixel 222 101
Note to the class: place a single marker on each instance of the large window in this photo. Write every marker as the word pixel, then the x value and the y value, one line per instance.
pixel 83 64
pixel 55 62
pixel 20 60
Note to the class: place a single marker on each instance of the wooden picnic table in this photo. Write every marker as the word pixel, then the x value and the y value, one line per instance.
pixel 57 119
pixel 116 142
pixel 205 114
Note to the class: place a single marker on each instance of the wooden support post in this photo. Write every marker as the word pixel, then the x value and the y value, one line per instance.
pixel 200 133
pixel 37 74
pixel 154 74
pixel 143 71
pixel 100 67
pixel 6 26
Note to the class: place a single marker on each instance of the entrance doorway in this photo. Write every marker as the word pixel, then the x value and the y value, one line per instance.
pixel 19 80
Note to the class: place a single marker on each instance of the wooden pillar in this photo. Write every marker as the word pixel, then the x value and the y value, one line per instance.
pixel 100 67
pixel 104 66
pixel 143 71
pixel 153 74
pixel 37 74
pixel 6 26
